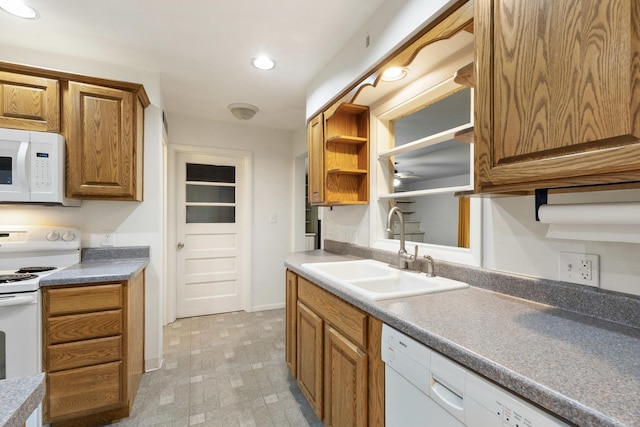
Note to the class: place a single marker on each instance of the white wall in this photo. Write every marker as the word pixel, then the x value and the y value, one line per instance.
pixel 438 218
pixel 393 23
pixel 299 154
pixel 346 224
pixel 135 223
pixel 515 242
pixel 273 169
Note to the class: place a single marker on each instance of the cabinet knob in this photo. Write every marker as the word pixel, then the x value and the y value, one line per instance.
pixel 180 245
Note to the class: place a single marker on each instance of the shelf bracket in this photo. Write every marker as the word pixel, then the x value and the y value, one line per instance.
pixel 541 199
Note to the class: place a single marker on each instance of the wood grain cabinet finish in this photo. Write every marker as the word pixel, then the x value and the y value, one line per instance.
pixel 291 316
pixel 93 351
pixel 345 382
pixel 29 102
pixel 339 156
pixel 103 127
pixel 339 367
pixel 557 93
pixel 316 160
pixel 309 364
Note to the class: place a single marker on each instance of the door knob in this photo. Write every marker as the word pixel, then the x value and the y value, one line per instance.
pixel 180 245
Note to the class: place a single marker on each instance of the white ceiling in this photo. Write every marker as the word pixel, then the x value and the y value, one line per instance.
pixel 203 48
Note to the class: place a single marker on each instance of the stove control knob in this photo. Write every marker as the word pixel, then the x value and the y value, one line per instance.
pixel 69 236
pixel 54 235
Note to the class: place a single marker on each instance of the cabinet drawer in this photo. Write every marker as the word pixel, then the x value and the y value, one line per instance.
pixel 84 391
pixel 84 326
pixel 343 316
pixel 83 299
pixel 84 353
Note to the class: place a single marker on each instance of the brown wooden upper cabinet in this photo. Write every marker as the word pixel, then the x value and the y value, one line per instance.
pixel 101 120
pixel 316 160
pixel 29 102
pixel 339 156
pixel 103 127
pixel 557 93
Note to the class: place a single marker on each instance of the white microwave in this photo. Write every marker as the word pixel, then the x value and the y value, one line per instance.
pixel 32 168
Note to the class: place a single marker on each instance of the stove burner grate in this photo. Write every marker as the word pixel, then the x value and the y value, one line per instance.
pixel 35 269
pixel 9 278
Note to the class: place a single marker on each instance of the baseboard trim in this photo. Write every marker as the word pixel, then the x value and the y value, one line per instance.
pixel 153 364
pixel 267 307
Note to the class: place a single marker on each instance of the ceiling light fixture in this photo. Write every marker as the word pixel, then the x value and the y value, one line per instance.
pixel 19 9
pixel 393 74
pixel 263 63
pixel 243 111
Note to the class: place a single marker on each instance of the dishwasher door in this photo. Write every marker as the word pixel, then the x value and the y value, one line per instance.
pixel 408 384
pixel 408 406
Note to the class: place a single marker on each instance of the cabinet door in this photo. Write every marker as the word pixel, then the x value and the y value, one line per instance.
pixel 291 319
pixel 29 102
pixel 345 382
pixel 558 93
pixel 104 145
pixel 316 160
pixel 309 358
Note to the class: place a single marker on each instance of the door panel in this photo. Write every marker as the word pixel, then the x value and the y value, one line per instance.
pixel 210 268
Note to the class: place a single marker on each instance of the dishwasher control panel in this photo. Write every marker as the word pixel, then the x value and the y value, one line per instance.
pixel 507 410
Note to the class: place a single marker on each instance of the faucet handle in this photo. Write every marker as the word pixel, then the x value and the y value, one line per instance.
pixel 430 267
pixel 415 254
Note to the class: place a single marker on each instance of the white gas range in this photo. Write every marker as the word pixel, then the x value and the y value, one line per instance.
pixel 28 253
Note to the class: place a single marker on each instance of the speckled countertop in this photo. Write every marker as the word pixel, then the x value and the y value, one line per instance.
pixel 102 265
pixel 19 398
pixel 583 369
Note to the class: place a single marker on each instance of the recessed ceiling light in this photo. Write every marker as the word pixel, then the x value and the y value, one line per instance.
pixel 394 73
pixel 263 63
pixel 19 9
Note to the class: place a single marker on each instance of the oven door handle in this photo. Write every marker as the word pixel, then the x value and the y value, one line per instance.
pixel 16 300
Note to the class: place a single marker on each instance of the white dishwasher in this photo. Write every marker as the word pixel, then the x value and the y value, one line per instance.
pixel 426 389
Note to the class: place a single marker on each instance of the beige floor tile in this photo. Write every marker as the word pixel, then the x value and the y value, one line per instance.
pixel 219 371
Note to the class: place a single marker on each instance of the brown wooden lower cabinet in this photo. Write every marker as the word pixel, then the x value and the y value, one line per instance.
pixel 291 322
pixel 79 391
pixel 93 351
pixel 310 357
pixel 345 381
pixel 337 356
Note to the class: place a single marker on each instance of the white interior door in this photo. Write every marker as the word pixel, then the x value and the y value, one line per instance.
pixel 210 269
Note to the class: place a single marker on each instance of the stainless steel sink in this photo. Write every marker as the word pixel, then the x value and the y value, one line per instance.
pixel 376 280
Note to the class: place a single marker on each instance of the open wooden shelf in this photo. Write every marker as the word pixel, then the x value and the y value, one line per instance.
pixel 349 171
pixel 346 155
pixel 346 139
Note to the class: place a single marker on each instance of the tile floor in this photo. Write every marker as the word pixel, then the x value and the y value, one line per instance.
pixel 222 370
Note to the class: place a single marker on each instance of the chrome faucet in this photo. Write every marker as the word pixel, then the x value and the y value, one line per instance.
pixel 403 257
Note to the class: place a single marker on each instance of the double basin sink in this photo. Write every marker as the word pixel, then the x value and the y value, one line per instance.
pixel 376 280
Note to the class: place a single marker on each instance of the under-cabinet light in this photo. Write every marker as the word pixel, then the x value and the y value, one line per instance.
pixel 19 9
pixel 393 74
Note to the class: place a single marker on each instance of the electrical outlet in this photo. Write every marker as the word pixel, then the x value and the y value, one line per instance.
pixel 583 269
pixel 108 237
